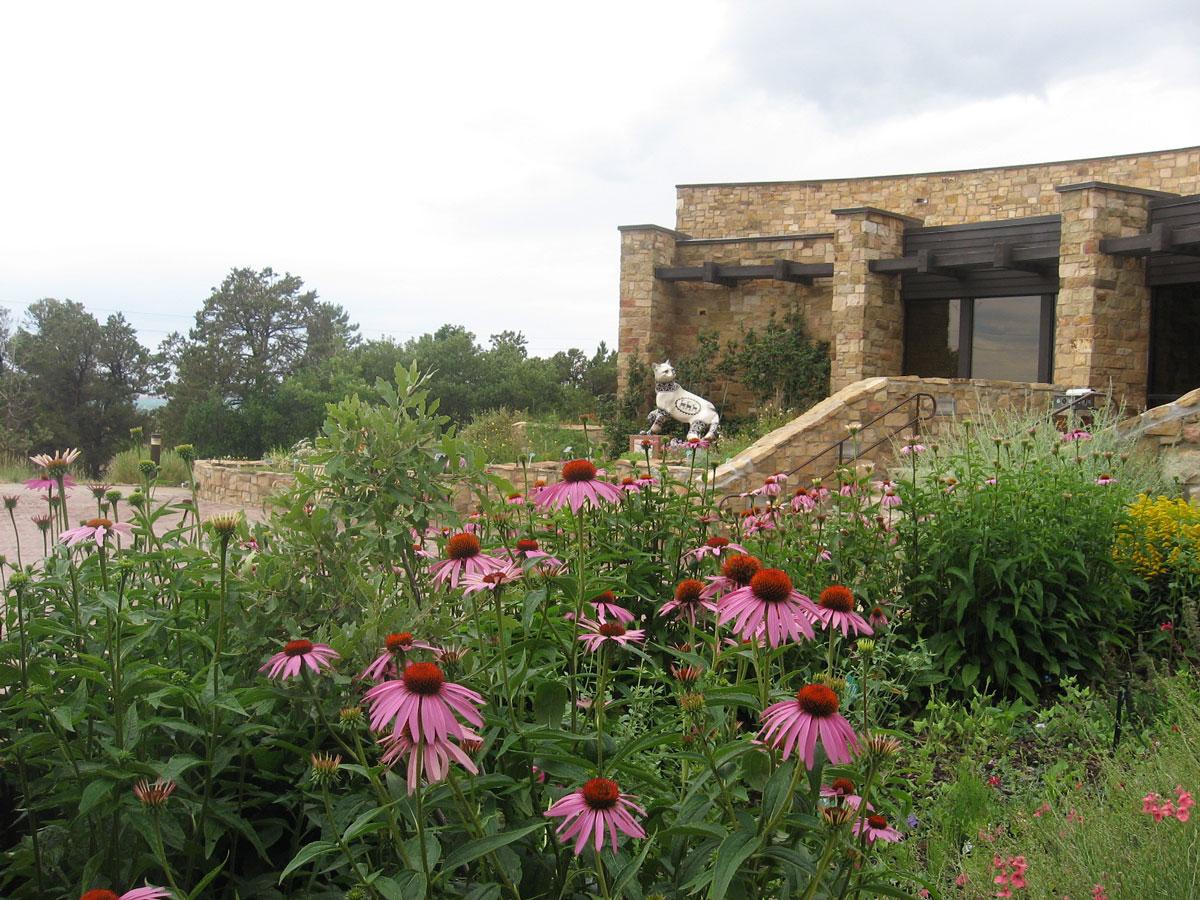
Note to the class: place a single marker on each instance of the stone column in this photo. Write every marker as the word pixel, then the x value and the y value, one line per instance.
pixel 647 304
pixel 1102 319
pixel 868 317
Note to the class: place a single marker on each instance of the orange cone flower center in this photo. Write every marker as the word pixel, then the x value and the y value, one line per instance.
pixel 601 793
pixel 843 785
pixel 717 542
pixel 611 629
pixel 605 597
pixel 877 821
pixel 100 894
pixel 424 678
pixel 628 480
pixel 398 642
pixel 526 544
pixel 817 700
pixel 297 648
pixel 688 591
pixel 740 569
pixel 771 585
pixel 462 546
pixel 578 470
pixel 98 523
pixel 837 598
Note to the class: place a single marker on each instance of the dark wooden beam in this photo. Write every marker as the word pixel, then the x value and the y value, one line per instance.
pixel 1033 257
pixel 1006 255
pixel 1160 239
pixel 926 266
pixel 729 275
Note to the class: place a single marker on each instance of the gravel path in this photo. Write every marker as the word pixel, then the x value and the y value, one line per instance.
pixel 80 506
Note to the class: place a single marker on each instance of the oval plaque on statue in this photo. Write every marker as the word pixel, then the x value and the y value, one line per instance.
pixel 687 406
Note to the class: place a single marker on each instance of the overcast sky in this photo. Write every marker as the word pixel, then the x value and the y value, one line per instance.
pixel 469 163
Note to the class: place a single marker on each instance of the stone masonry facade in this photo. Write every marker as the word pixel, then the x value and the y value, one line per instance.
pixel 1101 328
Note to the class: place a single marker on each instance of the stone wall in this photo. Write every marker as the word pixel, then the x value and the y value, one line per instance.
pixel 240 482
pixel 1172 431
pixel 794 443
pixel 939 198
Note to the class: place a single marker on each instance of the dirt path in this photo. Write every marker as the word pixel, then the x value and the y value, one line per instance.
pixel 80 506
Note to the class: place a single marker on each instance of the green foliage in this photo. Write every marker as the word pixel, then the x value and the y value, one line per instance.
pixel 1014 581
pixel 494 435
pixel 123 468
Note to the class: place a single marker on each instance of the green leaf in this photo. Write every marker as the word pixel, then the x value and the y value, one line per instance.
pixel 480 846
pixel 549 702
pixel 631 870
pixel 96 791
pixel 362 825
pixel 307 852
pixel 734 851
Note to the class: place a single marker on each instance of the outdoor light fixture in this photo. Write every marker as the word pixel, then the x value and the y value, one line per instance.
pixel 155 447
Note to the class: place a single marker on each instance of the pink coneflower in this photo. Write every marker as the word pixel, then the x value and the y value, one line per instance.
pixel 877 617
pixel 490 581
pixel 912 449
pixel 596 809
pixel 57 463
pixel 646 480
pixel 736 572
pixel 142 893
pixel 752 524
pixel 890 498
pixel 1098 892
pixel 799 723
pixel 463 557
pixel 631 485
pixel 1105 479
pixel 770 601
pixel 45 484
pixel 802 501
pixel 97 530
pixel 688 601
pixel 818 491
pixel 156 794
pixel 841 790
pixel 528 549
pixel 876 828
pixel 578 487
pixel 991 481
pixel 835 609
pixel 1077 434
pixel 295 656
pixel 772 486
pixel 515 499
pixel 395 645
pixel 607 607
pixel 434 757
pixel 714 547
pixel 597 634
pixel 422 705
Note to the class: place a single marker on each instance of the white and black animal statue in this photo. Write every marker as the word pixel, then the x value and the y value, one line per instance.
pixel 673 402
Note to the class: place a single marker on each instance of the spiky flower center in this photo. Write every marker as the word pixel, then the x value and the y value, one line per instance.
pixel 424 678
pixel 525 545
pixel 688 591
pixel 99 523
pixel 740 569
pixel 800 492
pixel 578 470
pixel 817 700
pixel 877 821
pixel 463 545
pixel 601 793
pixel 717 541
pixel 843 785
pixel 99 894
pixel 877 612
pixel 297 648
pixel 398 642
pixel 611 629
pixel 516 495
pixel 604 597
pixel 838 598
pixel 628 480
pixel 771 585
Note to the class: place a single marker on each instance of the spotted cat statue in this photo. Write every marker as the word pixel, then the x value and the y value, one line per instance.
pixel 673 402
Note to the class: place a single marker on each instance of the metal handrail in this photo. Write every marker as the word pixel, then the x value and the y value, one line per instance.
pixel 914 422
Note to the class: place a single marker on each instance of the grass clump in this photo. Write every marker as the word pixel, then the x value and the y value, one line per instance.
pixel 123 469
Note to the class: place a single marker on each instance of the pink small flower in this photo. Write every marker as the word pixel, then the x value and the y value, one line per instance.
pixel 463 557
pixel 597 634
pixel 993 781
pixel 1105 479
pixel 607 607
pixel 538 775
pixel 714 547
pixel 97 530
pixel 890 499
pixel 835 610
pixel 297 654
pixel 1041 810
pixel 434 757
pixel 593 811
pixel 1098 892
pixel 962 879
pixel 876 828
pixel 688 601
pixel 473 582
pixel 1077 435
pixel 1073 817
pixel 395 646
pixel 799 723
pixel 142 893
pixel 578 488
pixel 913 449
pixel 1167 626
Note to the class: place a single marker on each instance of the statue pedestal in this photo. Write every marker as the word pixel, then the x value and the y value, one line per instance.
pixel 656 444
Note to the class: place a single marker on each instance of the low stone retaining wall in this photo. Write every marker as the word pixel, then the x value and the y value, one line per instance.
pixel 1172 431
pixel 240 482
pixel 789 446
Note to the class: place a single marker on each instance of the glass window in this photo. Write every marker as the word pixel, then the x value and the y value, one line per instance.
pixel 1006 338
pixel 1174 337
pixel 932 336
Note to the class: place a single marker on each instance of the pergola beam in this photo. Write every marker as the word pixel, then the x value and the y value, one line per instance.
pixel 730 275
pixel 1159 240
pixel 953 263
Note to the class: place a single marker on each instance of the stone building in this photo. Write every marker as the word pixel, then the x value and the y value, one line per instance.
pixel 1083 273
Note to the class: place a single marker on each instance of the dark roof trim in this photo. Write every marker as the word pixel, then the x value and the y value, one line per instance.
pixel 1167 202
pixel 855 210
pixel 978 226
pixel 1053 162
pixel 728 275
pixel 678 235
pixel 1104 185
pixel 759 238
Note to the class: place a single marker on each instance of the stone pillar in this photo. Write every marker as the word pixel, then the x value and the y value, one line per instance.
pixel 1102 319
pixel 647 304
pixel 868 317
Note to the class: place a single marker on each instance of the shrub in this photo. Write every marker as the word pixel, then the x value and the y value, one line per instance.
pixel 123 468
pixel 494 435
pixel 1014 583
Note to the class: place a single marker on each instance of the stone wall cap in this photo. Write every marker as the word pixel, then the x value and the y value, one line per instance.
pixel 858 210
pixel 678 235
pixel 757 238
pixel 1052 162
pixel 1108 186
